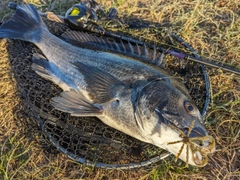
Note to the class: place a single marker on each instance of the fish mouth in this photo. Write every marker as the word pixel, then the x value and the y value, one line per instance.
pixel 201 147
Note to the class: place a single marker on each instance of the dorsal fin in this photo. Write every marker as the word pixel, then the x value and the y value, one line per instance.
pixel 130 48
pixel 112 44
pixel 124 48
pixel 154 56
pixel 145 50
pixel 138 49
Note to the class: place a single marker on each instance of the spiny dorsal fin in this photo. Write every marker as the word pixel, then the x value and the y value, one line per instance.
pixel 145 50
pixel 138 49
pixel 109 44
pixel 114 45
pixel 160 61
pixel 117 46
pixel 122 45
pixel 154 52
pixel 130 47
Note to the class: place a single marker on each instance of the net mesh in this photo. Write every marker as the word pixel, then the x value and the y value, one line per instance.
pixel 87 139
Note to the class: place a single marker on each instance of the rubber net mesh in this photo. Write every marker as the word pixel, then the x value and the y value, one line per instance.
pixel 88 140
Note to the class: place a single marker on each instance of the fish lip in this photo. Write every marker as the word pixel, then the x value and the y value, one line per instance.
pixel 198 132
pixel 195 133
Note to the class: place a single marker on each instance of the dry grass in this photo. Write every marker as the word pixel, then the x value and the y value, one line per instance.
pixel 211 27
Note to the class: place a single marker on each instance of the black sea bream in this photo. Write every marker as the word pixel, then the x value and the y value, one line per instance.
pixel 137 99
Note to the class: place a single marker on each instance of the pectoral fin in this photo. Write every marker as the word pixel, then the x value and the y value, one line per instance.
pixel 76 104
pixel 102 86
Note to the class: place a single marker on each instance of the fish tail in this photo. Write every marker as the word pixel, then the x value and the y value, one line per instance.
pixel 26 24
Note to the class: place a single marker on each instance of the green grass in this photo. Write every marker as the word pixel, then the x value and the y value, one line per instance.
pixel 211 27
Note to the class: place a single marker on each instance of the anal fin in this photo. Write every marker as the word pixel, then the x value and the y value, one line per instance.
pixel 42 67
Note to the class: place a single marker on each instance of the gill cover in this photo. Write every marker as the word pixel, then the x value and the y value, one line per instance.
pixel 147 98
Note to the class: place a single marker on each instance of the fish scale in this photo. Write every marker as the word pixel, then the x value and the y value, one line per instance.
pixel 126 70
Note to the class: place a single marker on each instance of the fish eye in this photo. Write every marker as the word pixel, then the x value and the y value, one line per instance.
pixel 190 108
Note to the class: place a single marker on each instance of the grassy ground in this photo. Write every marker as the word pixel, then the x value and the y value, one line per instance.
pixel 211 27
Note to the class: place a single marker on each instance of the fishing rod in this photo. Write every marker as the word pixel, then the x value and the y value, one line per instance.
pixel 74 14
pixel 210 63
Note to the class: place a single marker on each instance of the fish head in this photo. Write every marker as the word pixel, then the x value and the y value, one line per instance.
pixel 171 120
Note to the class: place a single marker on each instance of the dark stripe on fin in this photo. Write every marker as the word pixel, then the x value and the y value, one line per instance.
pixel 102 86
pixel 76 104
pixel 26 24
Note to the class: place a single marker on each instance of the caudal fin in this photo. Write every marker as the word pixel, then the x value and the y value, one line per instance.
pixel 26 24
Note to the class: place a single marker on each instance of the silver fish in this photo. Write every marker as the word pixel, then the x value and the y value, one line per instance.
pixel 140 100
